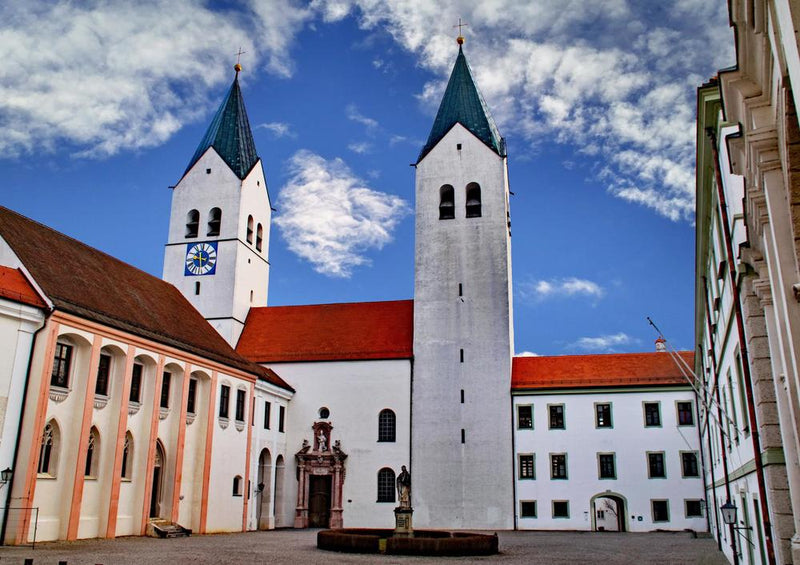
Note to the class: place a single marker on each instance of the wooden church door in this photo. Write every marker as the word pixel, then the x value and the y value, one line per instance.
pixel 319 501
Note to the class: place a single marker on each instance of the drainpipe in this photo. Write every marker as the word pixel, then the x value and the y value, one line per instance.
pixel 722 448
pixel 10 485
pixel 748 383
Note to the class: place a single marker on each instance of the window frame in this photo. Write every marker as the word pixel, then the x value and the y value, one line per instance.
pixel 645 405
pixel 653 502
pixel 126 469
pixel 49 450
pixel 241 402
pixel 214 226
pixel 553 509
pixel 651 454
pixel 473 210
pixel 386 488
pixel 690 412
pixel 522 513
pixel 238 488
pixel 553 476
pixel 281 418
pixel 191 396
pixel 387 426
pixel 600 456
pixel 447 206
pixel 224 401
pixel 135 392
pixel 520 407
pixel 56 378
pixel 192 223
pixel 249 234
pixel 523 468
pixel 550 408
pixel 267 413
pixel 164 396
pixel 104 364
pixel 686 513
pixel 610 424
pixel 696 474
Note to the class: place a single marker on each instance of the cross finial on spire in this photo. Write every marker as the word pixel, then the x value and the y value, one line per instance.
pixel 460 38
pixel 238 67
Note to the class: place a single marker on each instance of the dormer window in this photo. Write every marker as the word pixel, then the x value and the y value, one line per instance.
pixel 447 205
pixel 214 221
pixel 249 229
pixel 473 200
pixel 192 223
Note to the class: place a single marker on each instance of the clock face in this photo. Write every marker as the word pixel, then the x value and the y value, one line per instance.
pixel 201 258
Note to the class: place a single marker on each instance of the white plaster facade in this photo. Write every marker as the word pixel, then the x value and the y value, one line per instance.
pixel 628 440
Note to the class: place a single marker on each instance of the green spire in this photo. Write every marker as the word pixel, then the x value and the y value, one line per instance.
pixel 229 133
pixel 462 103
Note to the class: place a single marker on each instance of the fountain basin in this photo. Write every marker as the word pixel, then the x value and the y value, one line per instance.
pixel 423 542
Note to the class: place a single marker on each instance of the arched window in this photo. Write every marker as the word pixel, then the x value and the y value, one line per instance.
pixel 237 485
pixel 92 454
pixel 127 457
pixel 48 453
pixel 192 223
pixel 214 221
pixel 447 204
pixel 259 237
pixel 386 425
pixel 386 487
pixel 249 229
pixel 473 200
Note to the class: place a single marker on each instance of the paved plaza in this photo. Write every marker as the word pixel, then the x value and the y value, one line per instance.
pixel 298 547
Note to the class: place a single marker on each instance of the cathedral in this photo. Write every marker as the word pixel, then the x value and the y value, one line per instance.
pixel 134 405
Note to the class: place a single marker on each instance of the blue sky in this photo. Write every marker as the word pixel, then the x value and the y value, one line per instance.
pixel 102 105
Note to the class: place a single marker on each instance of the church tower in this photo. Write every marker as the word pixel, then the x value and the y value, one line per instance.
pixel 461 454
pixel 217 252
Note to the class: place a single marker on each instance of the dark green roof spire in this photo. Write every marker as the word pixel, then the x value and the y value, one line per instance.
pixel 462 103
pixel 229 133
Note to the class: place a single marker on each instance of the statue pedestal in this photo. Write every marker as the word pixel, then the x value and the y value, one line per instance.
pixel 402 520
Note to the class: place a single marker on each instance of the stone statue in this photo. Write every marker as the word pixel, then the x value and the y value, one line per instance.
pixel 404 487
pixel 322 441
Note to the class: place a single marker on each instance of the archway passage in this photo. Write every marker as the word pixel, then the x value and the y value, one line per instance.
pixel 608 513
pixel 264 486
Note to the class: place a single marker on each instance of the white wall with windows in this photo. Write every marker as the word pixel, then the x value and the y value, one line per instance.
pixel 350 395
pixel 583 457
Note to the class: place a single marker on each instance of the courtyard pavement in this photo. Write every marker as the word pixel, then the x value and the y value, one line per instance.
pixel 298 547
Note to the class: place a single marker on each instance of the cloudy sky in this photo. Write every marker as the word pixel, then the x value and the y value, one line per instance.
pixel 102 104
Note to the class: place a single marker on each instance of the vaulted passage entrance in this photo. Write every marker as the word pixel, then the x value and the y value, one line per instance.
pixel 608 512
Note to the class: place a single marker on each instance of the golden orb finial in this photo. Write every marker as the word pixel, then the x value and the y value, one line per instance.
pixel 460 40
pixel 237 67
pixel 459 25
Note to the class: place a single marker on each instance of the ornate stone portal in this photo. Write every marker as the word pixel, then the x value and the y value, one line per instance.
pixel 320 475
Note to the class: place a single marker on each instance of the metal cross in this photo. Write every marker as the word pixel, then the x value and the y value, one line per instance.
pixel 239 55
pixel 459 26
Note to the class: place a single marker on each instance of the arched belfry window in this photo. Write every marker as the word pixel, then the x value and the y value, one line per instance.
pixel 249 229
pixel 447 204
pixel 214 221
pixel 192 223
pixel 473 200
pixel 386 487
pixel 386 425
pixel 259 237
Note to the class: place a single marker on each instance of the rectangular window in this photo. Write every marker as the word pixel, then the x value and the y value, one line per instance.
pixel 281 417
pixel 527 509
pixel 685 414
pixel 742 397
pixel 527 468
pixel 267 410
pixel 561 509
pixel 165 390
pixel 556 416
pixel 652 414
pixel 660 510
pixel 61 365
pixel 136 383
pixel 689 464
pixel 191 401
pixel 655 466
pixel 525 417
pixel 463 435
pixel 693 509
pixel 558 466
pixel 732 409
pixel 602 415
pixel 224 400
pixel 103 370
pixel 607 466
pixel 241 395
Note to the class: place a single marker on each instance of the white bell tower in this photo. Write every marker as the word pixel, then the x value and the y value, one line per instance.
pixel 217 252
pixel 462 459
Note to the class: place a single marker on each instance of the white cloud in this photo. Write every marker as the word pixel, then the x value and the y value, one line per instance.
pixel 560 287
pixel 356 116
pixel 526 354
pixel 331 218
pixel 603 342
pixel 279 129
pixel 101 77
pixel 360 147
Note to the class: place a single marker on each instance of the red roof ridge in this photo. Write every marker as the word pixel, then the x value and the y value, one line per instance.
pixel 331 304
pixel 600 354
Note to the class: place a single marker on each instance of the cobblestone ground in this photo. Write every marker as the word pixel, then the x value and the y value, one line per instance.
pixel 298 547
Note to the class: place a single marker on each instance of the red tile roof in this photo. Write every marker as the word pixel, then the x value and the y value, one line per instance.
pixel 329 332
pixel 595 371
pixel 94 285
pixel 14 286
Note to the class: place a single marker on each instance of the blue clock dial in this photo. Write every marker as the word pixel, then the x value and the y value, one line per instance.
pixel 201 259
